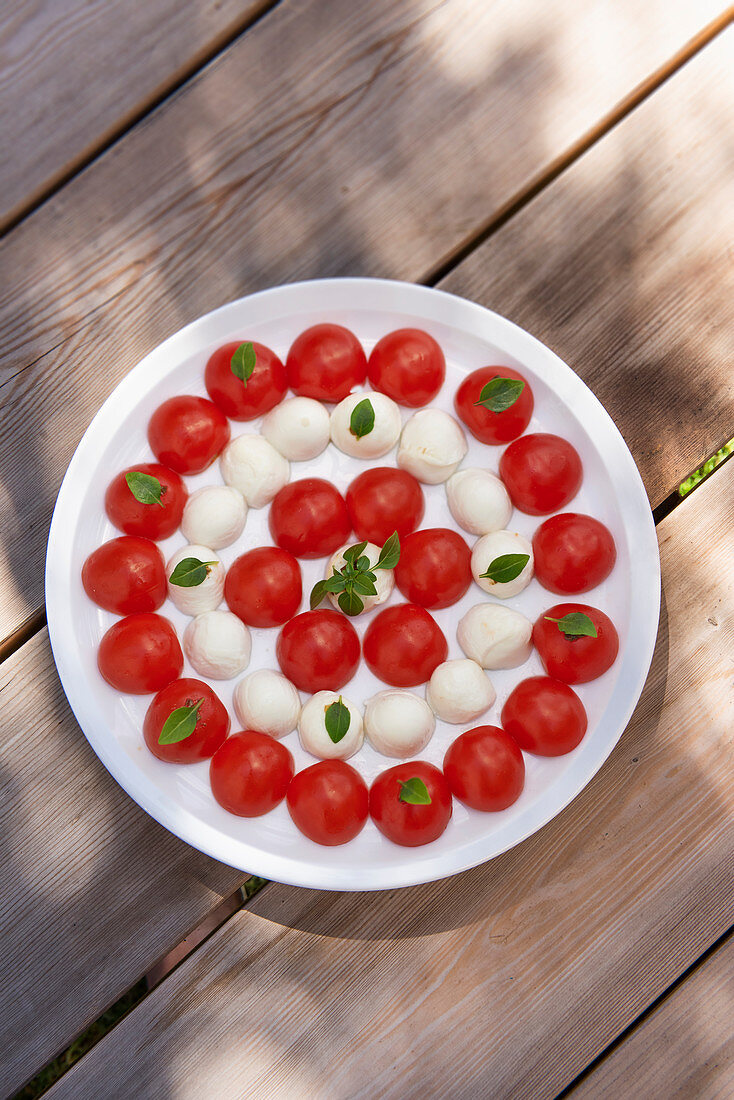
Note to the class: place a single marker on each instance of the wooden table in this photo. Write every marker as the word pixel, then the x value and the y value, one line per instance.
pixel 568 163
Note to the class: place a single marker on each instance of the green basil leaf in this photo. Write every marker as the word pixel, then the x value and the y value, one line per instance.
pixel 351 554
pixel 337 719
pixel 390 553
pixel 242 363
pixel 362 420
pixel 364 585
pixel 180 724
pixel 363 564
pixel 575 625
pixel 506 568
pixel 415 792
pixel 500 394
pixel 334 583
pixel 145 488
pixel 191 572
pixel 350 603
pixel 318 592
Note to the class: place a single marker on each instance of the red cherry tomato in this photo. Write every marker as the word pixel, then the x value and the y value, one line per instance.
pixel 212 722
pixel 140 654
pixel 250 773
pixel 578 658
pixel 405 823
pixel 187 433
pixel 151 521
pixel 541 472
pixel 434 568
pixel 485 769
pixel 408 365
pixel 318 651
pixel 125 575
pixel 383 500
pixel 265 387
pixel 573 553
pixel 403 645
pixel 263 586
pixel 544 716
pixel 326 362
pixel 328 802
pixel 309 518
pixel 488 426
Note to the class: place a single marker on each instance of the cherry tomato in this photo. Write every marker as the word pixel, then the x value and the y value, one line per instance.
pixel 151 521
pixel 250 773
pixel 265 387
pixel 187 433
pixel 212 722
pixel 309 518
pixel 383 500
pixel 573 553
pixel 578 658
pixel 485 769
pixel 140 654
pixel 488 426
pixel 328 802
pixel 125 575
pixel 326 362
pixel 405 823
pixel 544 716
pixel 541 473
pixel 434 568
pixel 403 645
pixel 408 365
pixel 263 586
pixel 318 650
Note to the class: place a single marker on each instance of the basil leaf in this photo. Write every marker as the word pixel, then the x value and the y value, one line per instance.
pixel 575 625
pixel 506 568
pixel 364 585
pixel 415 792
pixel 350 603
pixel 337 719
pixel 362 420
pixel 363 564
pixel 242 363
pixel 390 553
pixel 145 488
pixel 180 724
pixel 334 583
pixel 317 594
pixel 191 572
pixel 351 554
pixel 500 394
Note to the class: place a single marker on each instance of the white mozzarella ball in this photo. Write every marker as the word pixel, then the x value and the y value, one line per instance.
pixel 214 516
pixel 432 446
pixel 385 577
pixel 496 545
pixel 459 691
pixel 313 733
pixel 206 596
pixel 252 465
pixel 398 723
pixel 385 431
pixel 217 645
pixel 267 702
pixel 298 428
pixel 495 636
pixel 478 501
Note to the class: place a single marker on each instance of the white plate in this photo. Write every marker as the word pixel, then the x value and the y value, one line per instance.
pixel 471 336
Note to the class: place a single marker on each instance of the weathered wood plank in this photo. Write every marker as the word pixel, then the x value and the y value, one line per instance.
pixel 309 147
pixel 75 73
pixel 683 1049
pixel 509 979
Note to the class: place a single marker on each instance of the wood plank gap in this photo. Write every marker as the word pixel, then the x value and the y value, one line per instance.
pixel 675 497
pixel 23 633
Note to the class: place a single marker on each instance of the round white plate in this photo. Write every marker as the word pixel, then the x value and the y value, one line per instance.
pixel 179 797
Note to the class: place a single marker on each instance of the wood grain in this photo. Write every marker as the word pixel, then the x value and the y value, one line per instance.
pixel 310 147
pixel 683 1049
pixel 507 980
pixel 75 73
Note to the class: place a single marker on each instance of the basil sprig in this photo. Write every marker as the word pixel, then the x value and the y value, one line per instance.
pixel 145 488
pixel 337 720
pixel 242 363
pixel 500 394
pixel 415 792
pixel 357 577
pixel 575 625
pixel 180 724
pixel 362 420
pixel 506 568
pixel 190 572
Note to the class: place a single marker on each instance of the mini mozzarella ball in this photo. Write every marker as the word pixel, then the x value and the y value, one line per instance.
pixel 495 636
pixel 298 428
pixel 496 545
pixel 214 516
pixel 398 723
pixel 312 728
pixel 385 430
pixel 267 702
pixel 459 691
pixel 432 446
pixel 252 465
pixel 206 596
pixel 478 501
pixel 217 645
pixel 385 577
